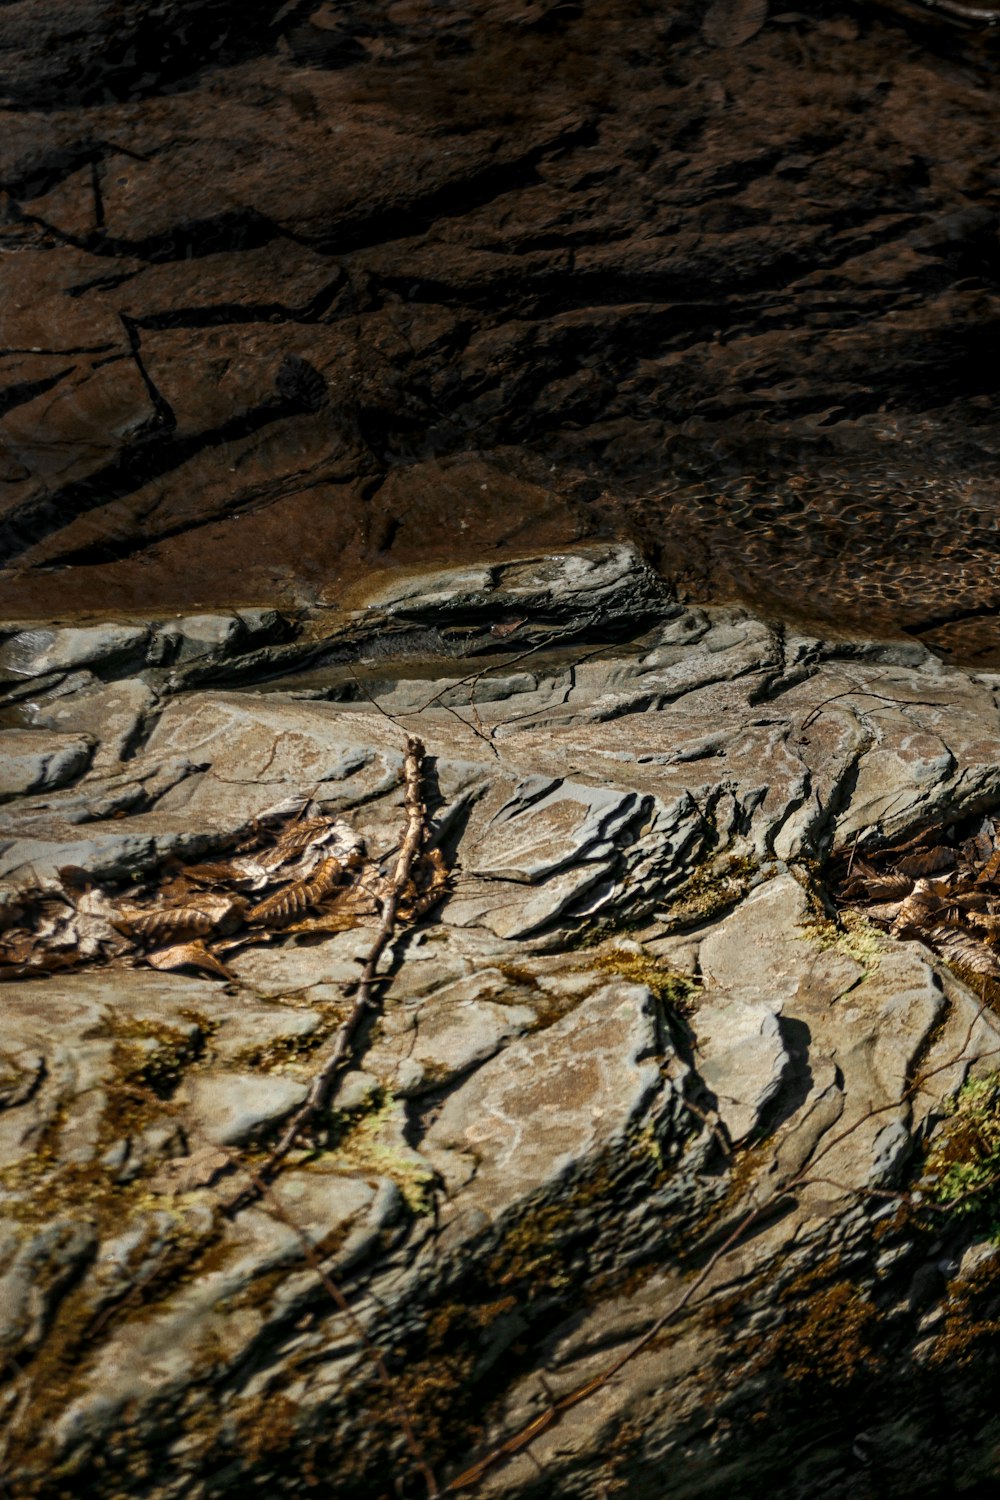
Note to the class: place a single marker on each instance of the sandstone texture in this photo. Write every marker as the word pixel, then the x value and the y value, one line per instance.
pixel 632 1078
pixel 291 288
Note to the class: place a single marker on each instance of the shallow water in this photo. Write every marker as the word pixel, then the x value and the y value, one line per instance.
pixel 291 296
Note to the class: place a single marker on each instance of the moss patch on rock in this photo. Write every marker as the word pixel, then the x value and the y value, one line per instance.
pixel 962 1167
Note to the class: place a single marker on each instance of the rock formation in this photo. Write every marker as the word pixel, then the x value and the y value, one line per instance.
pixel 643 1135
pixel 601 391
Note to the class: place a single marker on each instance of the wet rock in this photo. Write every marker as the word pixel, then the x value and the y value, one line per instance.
pixel 195 636
pixel 740 313
pixel 32 653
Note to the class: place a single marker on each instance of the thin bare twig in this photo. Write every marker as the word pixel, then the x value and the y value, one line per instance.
pixel 546 1419
pixel 399 1409
pixel 805 1177
pixel 855 692
pixel 371 699
pixel 414 838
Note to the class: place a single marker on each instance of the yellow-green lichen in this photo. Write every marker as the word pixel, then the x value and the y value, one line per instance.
pixel 371 1140
pixel 852 935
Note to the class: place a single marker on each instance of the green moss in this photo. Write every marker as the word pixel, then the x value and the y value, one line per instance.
pixel 971 1325
pixel 710 891
pixel 833 1338
pixel 670 986
pixel 267 1056
pixel 530 1255
pixel 982 985
pixel 962 1167
pixel 829 1333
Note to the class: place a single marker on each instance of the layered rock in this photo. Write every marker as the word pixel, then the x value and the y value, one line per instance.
pixel 638 1130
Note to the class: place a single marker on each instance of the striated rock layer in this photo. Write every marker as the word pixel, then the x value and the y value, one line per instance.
pixel 631 1080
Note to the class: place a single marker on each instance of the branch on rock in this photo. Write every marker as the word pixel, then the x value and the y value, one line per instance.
pixel 400 1410
pixel 399 890
pixel 518 1441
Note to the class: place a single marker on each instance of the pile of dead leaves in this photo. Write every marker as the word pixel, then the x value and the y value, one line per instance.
pixel 293 874
pixel 942 887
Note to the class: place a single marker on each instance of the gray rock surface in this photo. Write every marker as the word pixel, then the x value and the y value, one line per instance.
pixel 631 1024
pixel 35 761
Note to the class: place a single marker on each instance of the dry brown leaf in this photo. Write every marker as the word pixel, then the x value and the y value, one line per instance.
pixel 882 911
pixel 926 861
pixel 335 920
pixel 34 961
pixel 243 871
pixel 181 955
pixel 990 872
pixel 963 949
pixel 428 888
pixel 18 944
pixel 981 845
pixel 366 896
pixel 295 900
pixel 212 872
pixel 878 887
pixel 730 23
pixel 152 926
pixel 245 939
pixel 294 839
pixel 919 911
pixel 918 841
pixel 220 913
pixel 96 935
pixel 331 836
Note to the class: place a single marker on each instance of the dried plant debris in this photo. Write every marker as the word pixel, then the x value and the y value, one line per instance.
pixel 299 873
pixel 941 887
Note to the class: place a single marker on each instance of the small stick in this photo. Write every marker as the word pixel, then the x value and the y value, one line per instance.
pixel 548 1418
pixel 521 1439
pixel 399 1409
pixel 413 838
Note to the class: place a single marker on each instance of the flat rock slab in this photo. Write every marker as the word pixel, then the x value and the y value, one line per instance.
pixel 546 1107
pixel 742 1060
pixel 34 761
